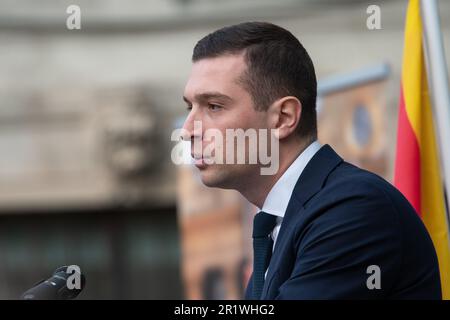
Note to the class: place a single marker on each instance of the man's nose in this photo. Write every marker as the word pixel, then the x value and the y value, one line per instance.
pixel 188 129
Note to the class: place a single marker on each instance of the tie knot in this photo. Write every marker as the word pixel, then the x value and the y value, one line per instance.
pixel 263 224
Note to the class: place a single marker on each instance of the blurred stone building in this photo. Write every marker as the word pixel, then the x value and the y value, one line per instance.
pixel 86 117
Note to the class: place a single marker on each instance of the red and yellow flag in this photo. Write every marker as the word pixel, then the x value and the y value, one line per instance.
pixel 417 171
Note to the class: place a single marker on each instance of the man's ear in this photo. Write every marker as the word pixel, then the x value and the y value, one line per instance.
pixel 284 115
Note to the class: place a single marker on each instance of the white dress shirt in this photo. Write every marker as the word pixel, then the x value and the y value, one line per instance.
pixel 278 198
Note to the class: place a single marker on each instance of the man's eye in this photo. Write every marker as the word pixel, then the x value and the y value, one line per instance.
pixel 189 107
pixel 214 107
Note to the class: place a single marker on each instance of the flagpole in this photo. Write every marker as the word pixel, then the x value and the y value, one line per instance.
pixel 438 85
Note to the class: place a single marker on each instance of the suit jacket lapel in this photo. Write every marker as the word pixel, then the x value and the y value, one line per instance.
pixel 309 183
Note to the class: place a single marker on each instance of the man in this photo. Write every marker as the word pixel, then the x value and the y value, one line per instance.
pixel 326 229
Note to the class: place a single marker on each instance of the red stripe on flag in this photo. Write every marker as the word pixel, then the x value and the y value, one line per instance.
pixel 407 164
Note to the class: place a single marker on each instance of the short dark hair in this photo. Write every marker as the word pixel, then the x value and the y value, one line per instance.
pixel 277 66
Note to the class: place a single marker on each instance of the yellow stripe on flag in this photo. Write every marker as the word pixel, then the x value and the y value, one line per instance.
pixel 418 109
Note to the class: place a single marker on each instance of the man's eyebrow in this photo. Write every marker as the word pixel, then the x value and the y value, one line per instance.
pixel 209 95
pixel 186 100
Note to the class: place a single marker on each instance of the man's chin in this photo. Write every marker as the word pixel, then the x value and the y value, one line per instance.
pixel 211 179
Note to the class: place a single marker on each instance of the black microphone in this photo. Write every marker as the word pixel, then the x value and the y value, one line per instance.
pixel 55 288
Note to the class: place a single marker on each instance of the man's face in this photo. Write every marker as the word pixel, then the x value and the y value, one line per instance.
pixel 216 97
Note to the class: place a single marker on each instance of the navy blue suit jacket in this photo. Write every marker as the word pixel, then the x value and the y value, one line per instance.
pixel 340 220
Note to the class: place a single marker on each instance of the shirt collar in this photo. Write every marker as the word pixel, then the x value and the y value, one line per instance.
pixel 278 198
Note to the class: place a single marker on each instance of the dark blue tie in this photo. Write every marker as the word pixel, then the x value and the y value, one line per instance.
pixel 263 225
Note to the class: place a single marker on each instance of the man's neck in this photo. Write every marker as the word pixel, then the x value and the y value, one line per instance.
pixel 262 184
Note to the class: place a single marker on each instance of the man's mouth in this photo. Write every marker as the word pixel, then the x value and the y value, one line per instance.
pixel 198 160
